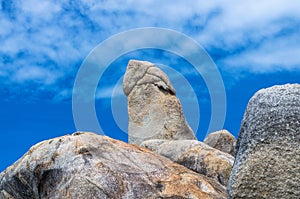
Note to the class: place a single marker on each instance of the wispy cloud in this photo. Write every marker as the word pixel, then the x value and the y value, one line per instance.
pixel 44 42
pixel 271 56
pixel 260 37
pixel 108 92
pixel 33 72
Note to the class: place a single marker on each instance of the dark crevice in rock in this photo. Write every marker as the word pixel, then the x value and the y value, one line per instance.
pixel 159 186
pixel 48 181
pixel 17 188
pixel 164 90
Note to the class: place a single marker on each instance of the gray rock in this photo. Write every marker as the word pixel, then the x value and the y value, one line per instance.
pixel 196 156
pixel 267 163
pixel 222 140
pixel 153 109
pixel 87 165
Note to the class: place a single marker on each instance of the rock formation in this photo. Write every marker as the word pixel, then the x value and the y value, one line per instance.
pixel 222 140
pixel 267 163
pixel 86 165
pixel 196 156
pixel 153 109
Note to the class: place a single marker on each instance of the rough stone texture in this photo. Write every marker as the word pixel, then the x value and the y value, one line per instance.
pixel 196 156
pixel 153 109
pixel 86 165
pixel 268 158
pixel 222 140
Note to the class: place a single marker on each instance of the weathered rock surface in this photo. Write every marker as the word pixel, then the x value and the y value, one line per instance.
pixel 267 163
pixel 153 109
pixel 196 156
pixel 222 140
pixel 86 165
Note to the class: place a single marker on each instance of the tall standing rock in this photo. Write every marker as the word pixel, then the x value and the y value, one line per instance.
pixel 153 109
pixel 267 163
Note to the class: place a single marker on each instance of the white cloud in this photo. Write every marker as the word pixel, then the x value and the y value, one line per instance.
pixel 34 73
pixel 63 94
pixel 57 35
pixel 239 22
pixel 39 10
pixel 275 55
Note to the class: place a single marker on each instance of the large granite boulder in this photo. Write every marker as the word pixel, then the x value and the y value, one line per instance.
pixel 267 163
pixel 196 156
pixel 86 165
pixel 153 109
pixel 222 140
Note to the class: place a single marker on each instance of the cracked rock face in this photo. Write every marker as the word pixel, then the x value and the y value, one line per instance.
pixel 87 165
pixel 267 163
pixel 196 156
pixel 222 140
pixel 153 109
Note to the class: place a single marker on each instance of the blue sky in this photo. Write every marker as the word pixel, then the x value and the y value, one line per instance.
pixel 43 43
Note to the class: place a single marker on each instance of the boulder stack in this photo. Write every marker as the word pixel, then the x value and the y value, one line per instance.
pixel 87 165
pixel 196 156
